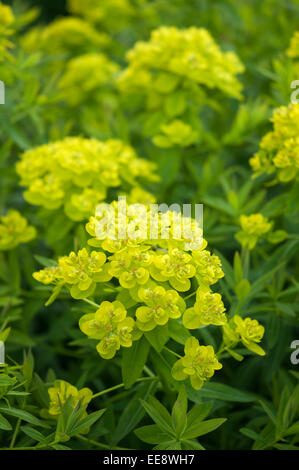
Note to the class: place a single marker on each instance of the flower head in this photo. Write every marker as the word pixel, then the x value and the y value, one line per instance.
pixel 254 228
pixel 14 229
pixel 111 325
pixel 199 363
pixel 207 310
pixel 246 330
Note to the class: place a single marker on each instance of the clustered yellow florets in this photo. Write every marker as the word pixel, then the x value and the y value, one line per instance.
pixel 279 149
pixel 112 326
pixel 14 229
pixel 199 363
pixel 254 228
pixel 79 272
pixel 151 270
pixel 76 173
pixel 68 35
pixel 207 310
pixel 246 330
pixel 88 78
pixel 169 74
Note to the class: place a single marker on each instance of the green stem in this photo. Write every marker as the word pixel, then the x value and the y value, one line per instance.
pixel 91 302
pixel 190 295
pixel 116 387
pixel 172 352
pixel 17 428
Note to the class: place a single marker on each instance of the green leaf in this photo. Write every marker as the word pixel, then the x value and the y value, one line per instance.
pixel 179 411
pixel 33 433
pixel 294 429
pixel 133 413
pixel 157 337
pixel 54 294
pixel 251 434
pixel 6 381
pixel 178 332
pixel 269 411
pixel 159 414
pixel 198 413
pixel 199 427
pixel 23 415
pixel 243 290
pixel 238 270
pixel 46 262
pixel 4 424
pixel 133 361
pixel 152 434
pixel 191 445
pixel 213 390
pixel 86 422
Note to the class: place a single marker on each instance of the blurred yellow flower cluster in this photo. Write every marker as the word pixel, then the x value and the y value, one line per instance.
pixel 76 173
pixel 14 229
pixel 87 78
pixel 170 74
pixel 70 35
pixel 279 149
pixel 293 50
pixel 254 228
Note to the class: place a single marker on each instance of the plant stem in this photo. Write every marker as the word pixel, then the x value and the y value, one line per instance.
pixel 172 352
pixel 190 295
pixel 116 387
pixel 91 302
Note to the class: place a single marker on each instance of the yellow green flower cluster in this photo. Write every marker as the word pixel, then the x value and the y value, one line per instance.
pixel 161 304
pixel 245 330
pixel 170 75
pixel 199 363
pixel 111 325
pixel 70 35
pixel 279 149
pixel 150 271
pixel 79 272
pixel 76 173
pixel 207 310
pixel 14 229
pixel 61 392
pixel 88 77
pixel 293 50
pixel 102 12
pixel 254 228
